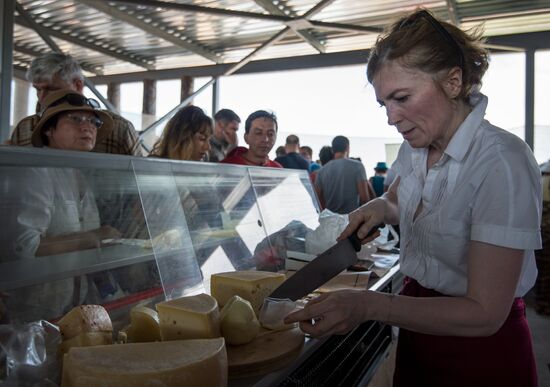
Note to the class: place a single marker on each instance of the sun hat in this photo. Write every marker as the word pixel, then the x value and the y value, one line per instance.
pixel 381 166
pixel 65 100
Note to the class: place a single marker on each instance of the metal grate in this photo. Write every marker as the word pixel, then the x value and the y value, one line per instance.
pixel 344 360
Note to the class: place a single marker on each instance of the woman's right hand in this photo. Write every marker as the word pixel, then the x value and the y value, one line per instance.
pixel 364 219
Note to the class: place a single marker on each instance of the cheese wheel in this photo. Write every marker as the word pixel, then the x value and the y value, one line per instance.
pixel 86 340
pixel 83 319
pixel 194 317
pixel 144 325
pixel 172 363
pixel 251 285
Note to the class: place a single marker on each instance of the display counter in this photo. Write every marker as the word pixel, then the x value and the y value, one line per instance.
pixel 88 228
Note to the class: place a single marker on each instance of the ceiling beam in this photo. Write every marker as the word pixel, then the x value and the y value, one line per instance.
pixel 205 10
pixel 32 24
pixel 344 27
pixel 304 34
pixel 183 42
pixel 254 15
pixel 258 66
pixel 36 53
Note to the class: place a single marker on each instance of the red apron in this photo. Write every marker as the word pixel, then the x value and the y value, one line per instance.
pixel 503 359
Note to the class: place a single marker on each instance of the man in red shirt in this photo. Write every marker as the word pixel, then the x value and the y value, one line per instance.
pixel 260 133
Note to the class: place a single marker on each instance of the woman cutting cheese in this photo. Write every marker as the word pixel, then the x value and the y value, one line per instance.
pixel 468 201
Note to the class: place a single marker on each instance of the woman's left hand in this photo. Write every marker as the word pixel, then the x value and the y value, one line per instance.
pixel 333 313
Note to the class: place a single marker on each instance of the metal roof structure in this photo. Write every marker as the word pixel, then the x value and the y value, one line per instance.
pixel 128 36
pixel 133 40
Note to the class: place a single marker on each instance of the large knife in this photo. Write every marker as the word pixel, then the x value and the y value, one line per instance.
pixel 327 265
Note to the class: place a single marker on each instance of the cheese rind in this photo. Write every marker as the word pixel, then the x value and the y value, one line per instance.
pixel 144 325
pixel 167 364
pixel 251 285
pixel 83 319
pixel 194 317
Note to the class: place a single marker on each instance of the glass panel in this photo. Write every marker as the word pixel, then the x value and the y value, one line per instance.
pixel 222 215
pixel 65 239
pixel 165 223
pixel 112 230
pixel 289 209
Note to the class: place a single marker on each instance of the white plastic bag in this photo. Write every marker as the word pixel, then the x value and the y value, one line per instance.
pixel 323 237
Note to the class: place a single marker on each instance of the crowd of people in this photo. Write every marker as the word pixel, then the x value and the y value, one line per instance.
pixel 194 136
pixel 466 194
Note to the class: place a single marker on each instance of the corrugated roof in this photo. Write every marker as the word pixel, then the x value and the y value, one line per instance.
pixel 112 37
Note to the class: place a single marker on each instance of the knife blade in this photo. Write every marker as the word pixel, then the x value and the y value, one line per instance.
pixel 321 269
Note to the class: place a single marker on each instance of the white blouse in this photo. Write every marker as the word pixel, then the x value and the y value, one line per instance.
pixel 486 187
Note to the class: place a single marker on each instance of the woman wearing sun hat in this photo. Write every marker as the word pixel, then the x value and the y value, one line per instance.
pixel 71 121
pixel 52 210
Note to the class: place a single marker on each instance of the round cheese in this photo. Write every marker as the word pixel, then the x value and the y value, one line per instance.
pixel 167 364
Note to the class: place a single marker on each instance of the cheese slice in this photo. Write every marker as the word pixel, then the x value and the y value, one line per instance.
pixel 86 340
pixel 83 319
pixel 251 285
pixel 167 364
pixel 144 325
pixel 194 317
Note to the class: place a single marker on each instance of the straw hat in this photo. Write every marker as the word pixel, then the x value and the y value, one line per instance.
pixel 65 100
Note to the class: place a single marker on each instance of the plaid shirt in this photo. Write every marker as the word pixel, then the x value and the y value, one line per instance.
pixel 123 140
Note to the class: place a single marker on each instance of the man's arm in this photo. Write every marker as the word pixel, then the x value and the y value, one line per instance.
pixel 363 189
pixel 320 196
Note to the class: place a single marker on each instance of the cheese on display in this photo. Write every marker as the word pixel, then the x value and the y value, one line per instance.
pixel 144 325
pixel 85 340
pixel 83 319
pixel 194 317
pixel 168 364
pixel 251 285
pixel 238 321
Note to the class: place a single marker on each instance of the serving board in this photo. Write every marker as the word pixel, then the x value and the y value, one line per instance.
pixel 269 351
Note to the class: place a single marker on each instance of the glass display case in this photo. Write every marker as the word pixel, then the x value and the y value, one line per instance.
pixel 83 227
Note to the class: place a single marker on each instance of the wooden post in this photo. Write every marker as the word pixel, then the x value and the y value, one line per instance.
pixel 113 94
pixel 187 87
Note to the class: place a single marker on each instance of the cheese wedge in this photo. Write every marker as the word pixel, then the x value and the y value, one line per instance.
pixel 144 325
pixel 83 319
pixel 194 317
pixel 167 364
pixel 86 340
pixel 251 285
pixel 238 321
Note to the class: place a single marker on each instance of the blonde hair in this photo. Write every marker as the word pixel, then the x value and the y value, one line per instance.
pixel 176 141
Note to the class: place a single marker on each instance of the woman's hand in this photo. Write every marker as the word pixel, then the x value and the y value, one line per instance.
pixel 333 313
pixel 364 219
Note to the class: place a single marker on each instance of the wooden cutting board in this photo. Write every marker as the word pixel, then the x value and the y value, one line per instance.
pixel 269 351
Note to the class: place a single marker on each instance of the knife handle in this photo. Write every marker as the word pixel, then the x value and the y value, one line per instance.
pixel 356 242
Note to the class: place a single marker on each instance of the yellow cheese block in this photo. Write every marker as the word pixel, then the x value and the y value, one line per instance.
pixel 83 319
pixel 86 340
pixel 251 285
pixel 194 317
pixel 168 364
pixel 144 325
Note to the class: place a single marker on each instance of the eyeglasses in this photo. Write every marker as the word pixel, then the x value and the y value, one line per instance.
pixel 73 99
pixel 442 31
pixel 79 120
